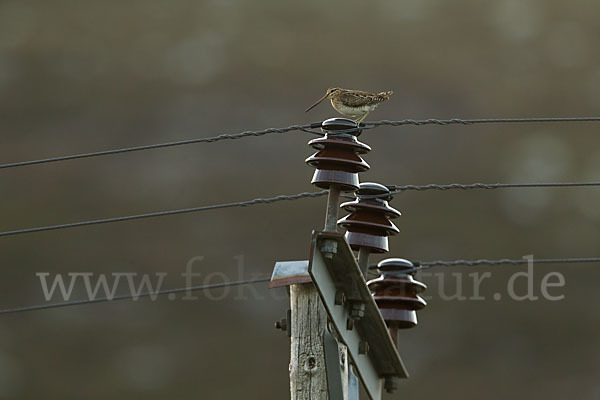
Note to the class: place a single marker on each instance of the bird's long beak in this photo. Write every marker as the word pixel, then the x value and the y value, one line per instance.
pixel 317 103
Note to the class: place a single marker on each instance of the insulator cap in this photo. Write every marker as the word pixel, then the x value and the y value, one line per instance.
pixel 337 160
pixel 340 125
pixel 368 224
pixel 372 189
pixel 396 266
pixel 396 293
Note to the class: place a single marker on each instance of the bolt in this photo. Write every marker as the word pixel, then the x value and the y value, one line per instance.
pixel 349 324
pixel 340 298
pixel 329 248
pixel 358 310
pixel 391 384
pixel 282 324
pixel 363 347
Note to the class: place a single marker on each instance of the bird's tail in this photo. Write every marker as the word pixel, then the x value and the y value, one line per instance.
pixel 385 95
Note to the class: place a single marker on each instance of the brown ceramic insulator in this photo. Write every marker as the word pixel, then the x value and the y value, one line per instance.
pixel 368 224
pixel 397 293
pixel 337 160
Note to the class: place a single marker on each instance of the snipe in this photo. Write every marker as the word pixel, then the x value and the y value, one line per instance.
pixel 353 103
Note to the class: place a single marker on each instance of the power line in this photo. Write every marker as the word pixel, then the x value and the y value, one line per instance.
pixel 430 264
pixel 395 190
pixel 163 145
pixel 458 121
pixel 130 297
pixel 421 265
pixel 305 128
pixel 402 188
pixel 164 213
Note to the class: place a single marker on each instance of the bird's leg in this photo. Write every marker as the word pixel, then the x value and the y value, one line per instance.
pixel 361 119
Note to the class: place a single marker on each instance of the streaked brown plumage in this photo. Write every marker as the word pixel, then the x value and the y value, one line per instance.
pixel 353 103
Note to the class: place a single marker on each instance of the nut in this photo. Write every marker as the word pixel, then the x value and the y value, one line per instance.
pixel 282 324
pixel 340 298
pixel 363 347
pixel 391 384
pixel 358 310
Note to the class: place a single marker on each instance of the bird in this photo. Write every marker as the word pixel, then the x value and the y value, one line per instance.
pixel 353 103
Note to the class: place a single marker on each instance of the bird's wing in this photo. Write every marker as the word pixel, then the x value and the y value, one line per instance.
pixel 357 98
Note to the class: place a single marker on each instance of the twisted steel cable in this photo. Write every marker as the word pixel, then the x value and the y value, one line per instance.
pixel 130 296
pixel 421 265
pixel 267 200
pixel 305 128
pixel 397 189
pixel 459 121
pixel 432 186
pixel 394 190
pixel 470 263
pixel 418 266
pixel 218 138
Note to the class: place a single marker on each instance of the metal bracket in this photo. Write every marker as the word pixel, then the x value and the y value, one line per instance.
pixel 288 273
pixel 353 392
pixel 285 324
pixel 333 367
pixel 354 313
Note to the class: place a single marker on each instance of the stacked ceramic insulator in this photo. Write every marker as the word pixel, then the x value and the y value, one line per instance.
pixel 338 159
pixel 396 292
pixel 369 222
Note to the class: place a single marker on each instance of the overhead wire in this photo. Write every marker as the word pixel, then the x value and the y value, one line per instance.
pixel 267 200
pixel 398 189
pixel 306 128
pixel 422 265
pixel 459 121
pixel 395 189
pixel 419 265
pixel 470 186
pixel 130 296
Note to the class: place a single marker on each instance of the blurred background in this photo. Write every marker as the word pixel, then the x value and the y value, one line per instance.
pixel 79 76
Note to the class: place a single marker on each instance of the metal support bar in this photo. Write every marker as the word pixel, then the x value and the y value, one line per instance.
pixel 333 206
pixel 363 260
pixel 333 367
pixel 356 317
pixel 353 392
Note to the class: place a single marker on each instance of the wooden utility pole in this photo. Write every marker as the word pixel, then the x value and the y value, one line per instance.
pixel 308 377
pixel 308 374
